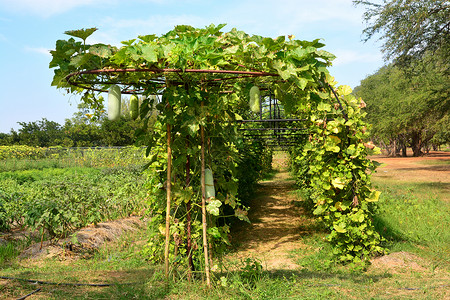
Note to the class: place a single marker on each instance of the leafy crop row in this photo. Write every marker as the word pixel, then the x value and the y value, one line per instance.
pixel 59 201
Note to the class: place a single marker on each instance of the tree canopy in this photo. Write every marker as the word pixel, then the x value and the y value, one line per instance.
pixel 409 28
pixel 408 109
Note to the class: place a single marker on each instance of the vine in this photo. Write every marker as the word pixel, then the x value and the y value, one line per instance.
pixel 198 82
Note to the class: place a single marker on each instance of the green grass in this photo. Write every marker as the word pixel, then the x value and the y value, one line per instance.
pixel 412 216
pixel 122 265
pixel 8 251
pixel 76 157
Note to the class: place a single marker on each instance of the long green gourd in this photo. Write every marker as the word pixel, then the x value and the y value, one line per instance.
pixel 209 182
pixel 255 96
pixel 134 107
pixel 114 103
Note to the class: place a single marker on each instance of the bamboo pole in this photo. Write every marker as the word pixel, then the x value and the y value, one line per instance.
pixel 169 195
pixel 188 215
pixel 205 238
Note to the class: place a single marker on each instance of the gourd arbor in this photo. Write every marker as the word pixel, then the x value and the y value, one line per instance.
pixel 203 78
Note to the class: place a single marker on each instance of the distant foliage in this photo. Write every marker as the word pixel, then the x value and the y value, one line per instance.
pixel 408 108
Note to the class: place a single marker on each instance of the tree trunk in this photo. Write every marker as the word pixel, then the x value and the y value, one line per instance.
pixel 416 144
pixel 395 148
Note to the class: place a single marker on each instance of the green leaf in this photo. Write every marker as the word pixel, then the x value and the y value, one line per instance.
pixel 373 197
pixel 193 129
pixel 80 60
pixel 319 210
pixel 213 207
pixel 344 90
pixel 334 139
pixel 150 53
pixel 241 214
pixel 339 183
pixel 238 117
pixel 103 51
pixel 340 228
pixel 81 33
pixel 332 148
pixel 214 232
pixel 147 38
pixel 323 106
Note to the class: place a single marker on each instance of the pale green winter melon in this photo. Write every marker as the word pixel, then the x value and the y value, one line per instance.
pixel 114 103
pixel 209 182
pixel 255 95
pixel 134 107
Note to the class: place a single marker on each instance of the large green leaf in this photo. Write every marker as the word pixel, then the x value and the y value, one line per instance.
pixel 81 33
pixel 150 52
pixel 339 183
pixel 103 51
pixel 213 207
pixel 340 228
pixel 373 197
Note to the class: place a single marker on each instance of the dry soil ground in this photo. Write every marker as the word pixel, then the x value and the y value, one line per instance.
pixel 275 222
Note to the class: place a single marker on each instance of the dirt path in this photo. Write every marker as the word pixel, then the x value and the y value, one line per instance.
pixel 432 170
pixel 275 228
pixel 433 167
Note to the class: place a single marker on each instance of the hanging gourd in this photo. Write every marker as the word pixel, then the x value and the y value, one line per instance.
pixel 134 107
pixel 114 103
pixel 209 182
pixel 255 96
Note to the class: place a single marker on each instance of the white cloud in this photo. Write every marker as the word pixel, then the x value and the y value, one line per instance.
pixel 344 57
pixel 113 30
pixel 39 50
pixel 293 16
pixel 45 8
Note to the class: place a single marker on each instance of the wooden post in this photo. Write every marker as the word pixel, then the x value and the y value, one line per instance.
pixel 205 238
pixel 169 195
pixel 188 216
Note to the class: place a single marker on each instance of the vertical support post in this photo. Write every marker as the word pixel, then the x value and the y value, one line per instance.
pixel 188 216
pixel 169 196
pixel 203 184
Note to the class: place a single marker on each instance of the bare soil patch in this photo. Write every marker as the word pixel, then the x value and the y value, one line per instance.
pixel 275 223
pixel 84 241
pixel 432 167
pixel 431 170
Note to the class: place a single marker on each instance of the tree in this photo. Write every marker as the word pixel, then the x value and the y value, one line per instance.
pixel 409 28
pixel 42 133
pixel 407 108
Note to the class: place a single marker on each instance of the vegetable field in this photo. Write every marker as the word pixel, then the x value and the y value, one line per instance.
pixel 56 191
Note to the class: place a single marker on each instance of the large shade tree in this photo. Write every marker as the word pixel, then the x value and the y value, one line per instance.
pixel 408 111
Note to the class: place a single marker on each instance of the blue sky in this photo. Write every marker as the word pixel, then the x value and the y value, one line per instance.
pixel 30 28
